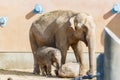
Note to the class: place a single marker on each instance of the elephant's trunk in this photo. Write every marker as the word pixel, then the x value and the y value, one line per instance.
pixel 91 48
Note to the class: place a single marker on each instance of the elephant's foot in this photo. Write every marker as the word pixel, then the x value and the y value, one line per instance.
pixel 82 70
pixel 90 72
pixel 36 71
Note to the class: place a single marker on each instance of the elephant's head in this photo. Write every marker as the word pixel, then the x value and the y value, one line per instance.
pixel 51 55
pixel 84 29
pixel 83 26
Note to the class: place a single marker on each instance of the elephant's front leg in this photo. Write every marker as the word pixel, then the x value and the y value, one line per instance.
pixel 63 50
pixel 78 51
pixel 61 44
pixel 63 55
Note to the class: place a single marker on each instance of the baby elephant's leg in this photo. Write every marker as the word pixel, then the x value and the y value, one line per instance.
pixel 48 70
pixel 56 65
pixel 43 70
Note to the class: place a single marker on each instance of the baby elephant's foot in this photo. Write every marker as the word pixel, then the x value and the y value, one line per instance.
pixel 43 74
pixel 49 75
pixel 56 72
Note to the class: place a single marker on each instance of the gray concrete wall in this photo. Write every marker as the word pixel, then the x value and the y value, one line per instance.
pixel 111 56
pixel 25 60
pixel 16 61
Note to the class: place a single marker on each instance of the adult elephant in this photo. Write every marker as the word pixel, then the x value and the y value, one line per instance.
pixel 62 29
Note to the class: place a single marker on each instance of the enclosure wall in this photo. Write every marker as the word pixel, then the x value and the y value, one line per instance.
pixel 14 37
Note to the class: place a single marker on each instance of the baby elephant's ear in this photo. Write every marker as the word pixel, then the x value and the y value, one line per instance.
pixel 51 53
pixel 72 22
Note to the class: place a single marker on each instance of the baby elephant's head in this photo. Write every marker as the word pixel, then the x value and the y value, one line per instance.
pixel 51 55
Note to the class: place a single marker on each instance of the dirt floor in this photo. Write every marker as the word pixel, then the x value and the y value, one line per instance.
pixel 18 74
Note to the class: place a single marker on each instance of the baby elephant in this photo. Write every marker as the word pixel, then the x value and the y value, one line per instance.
pixel 46 57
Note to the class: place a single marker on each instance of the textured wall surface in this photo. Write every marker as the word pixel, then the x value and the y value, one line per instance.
pixel 14 37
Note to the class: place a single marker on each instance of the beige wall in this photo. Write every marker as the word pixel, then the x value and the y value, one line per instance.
pixel 14 37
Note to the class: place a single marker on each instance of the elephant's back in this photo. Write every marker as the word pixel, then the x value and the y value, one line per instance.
pixel 50 17
pixel 48 23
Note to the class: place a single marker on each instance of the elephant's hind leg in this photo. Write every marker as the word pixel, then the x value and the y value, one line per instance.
pixel 34 49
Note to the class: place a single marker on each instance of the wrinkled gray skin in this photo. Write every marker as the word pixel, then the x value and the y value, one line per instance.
pixel 62 29
pixel 46 57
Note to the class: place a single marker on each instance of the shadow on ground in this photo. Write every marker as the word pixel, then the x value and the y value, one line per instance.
pixel 24 75
pixel 15 72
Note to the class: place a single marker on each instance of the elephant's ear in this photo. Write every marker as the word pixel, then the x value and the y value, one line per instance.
pixel 89 22
pixel 75 24
pixel 72 22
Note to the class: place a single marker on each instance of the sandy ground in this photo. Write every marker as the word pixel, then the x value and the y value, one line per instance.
pixel 24 75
